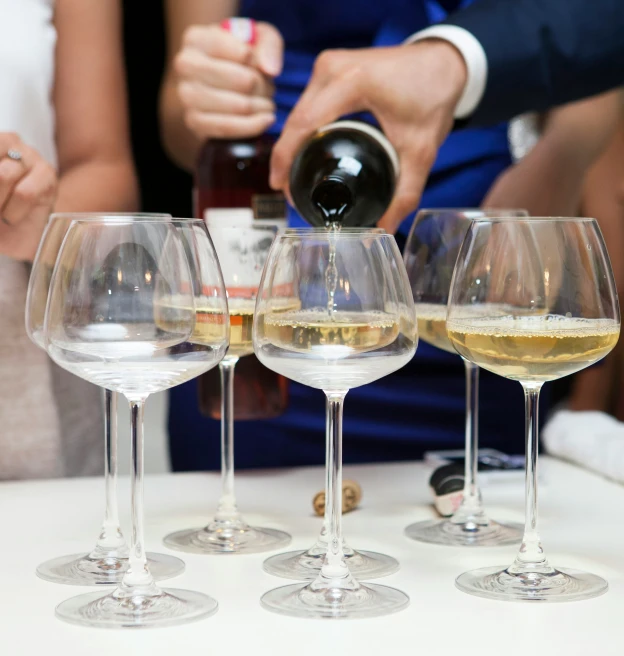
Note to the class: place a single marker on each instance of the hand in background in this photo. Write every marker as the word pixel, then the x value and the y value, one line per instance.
pixel 411 90
pixel 28 187
pixel 224 85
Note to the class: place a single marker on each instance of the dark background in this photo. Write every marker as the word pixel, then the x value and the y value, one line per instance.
pixel 164 187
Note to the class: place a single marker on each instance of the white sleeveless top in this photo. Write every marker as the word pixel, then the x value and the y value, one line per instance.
pixel 50 421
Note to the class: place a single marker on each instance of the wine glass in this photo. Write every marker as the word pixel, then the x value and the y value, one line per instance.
pixel 430 254
pixel 242 251
pixel 533 300
pixel 136 307
pixel 305 565
pixel 108 561
pixel 354 322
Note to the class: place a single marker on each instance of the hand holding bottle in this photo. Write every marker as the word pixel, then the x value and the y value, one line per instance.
pixel 411 90
pixel 225 84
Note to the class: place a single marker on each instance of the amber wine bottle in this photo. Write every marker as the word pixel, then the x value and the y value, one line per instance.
pixel 345 174
pixel 232 189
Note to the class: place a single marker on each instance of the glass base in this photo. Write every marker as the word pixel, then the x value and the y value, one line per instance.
pixel 305 565
pixel 81 569
pixel 227 538
pixel 560 585
pixel 117 610
pixel 446 532
pixel 367 600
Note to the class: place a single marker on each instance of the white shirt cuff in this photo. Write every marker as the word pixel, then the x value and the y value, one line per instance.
pixel 474 56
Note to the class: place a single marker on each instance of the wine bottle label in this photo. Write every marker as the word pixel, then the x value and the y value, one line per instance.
pixel 266 209
pixel 242 254
pixel 269 206
pixel 228 216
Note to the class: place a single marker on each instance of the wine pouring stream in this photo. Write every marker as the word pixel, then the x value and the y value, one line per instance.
pixel 331 182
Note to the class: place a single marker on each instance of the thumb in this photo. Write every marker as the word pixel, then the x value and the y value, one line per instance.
pixel 268 51
pixel 406 197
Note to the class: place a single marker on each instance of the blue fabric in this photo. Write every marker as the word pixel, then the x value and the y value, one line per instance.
pixel 421 406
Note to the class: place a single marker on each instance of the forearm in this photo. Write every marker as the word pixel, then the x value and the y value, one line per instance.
pixel 98 186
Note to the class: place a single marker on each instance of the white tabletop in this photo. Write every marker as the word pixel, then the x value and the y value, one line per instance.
pixel 581 520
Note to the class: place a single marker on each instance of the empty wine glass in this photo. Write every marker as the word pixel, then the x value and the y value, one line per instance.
pixel 430 255
pixel 533 300
pixel 353 323
pixel 305 565
pixel 242 252
pixel 137 307
pixel 107 562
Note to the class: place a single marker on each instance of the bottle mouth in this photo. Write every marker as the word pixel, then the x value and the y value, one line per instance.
pixel 332 198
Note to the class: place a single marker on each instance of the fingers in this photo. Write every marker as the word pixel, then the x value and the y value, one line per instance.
pixel 195 66
pixel 214 41
pixel 35 189
pixel 226 126
pixel 268 51
pixel 321 103
pixel 199 97
pixel 11 172
pixel 414 170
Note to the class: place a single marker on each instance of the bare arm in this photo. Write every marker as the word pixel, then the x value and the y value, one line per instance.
pixel 96 171
pixel 549 180
pixel 180 142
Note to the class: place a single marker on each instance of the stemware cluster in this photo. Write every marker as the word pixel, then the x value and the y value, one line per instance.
pixel 140 303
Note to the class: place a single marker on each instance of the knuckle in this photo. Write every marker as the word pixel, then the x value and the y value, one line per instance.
pixel 328 62
pixel 248 81
pixel 183 63
pixel 27 194
pixel 245 106
pixel 8 175
pixel 192 34
pixel 186 94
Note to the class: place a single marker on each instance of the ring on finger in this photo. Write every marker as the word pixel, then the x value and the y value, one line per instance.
pixel 14 154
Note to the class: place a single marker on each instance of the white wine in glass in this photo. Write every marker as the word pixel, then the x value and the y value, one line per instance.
pixel 534 348
pixel 341 336
pixel 430 254
pixel 533 300
pixel 242 251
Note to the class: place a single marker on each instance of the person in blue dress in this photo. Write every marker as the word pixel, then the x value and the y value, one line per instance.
pixel 217 87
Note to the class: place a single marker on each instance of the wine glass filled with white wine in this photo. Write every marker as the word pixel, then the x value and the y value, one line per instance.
pixel 430 255
pixel 242 250
pixel 533 300
pixel 354 323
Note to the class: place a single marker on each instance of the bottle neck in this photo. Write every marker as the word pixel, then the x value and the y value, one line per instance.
pixel 333 198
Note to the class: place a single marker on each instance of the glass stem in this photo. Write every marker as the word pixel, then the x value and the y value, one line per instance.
pixel 227 510
pixel 138 574
pixel 328 473
pixel 470 511
pixel 334 566
pixel 531 557
pixel 111 542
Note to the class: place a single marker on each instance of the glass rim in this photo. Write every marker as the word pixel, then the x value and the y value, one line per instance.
pixel 343 232
pixel 536 219
pixel 90 216
pixel 468 210
pixel 129 219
